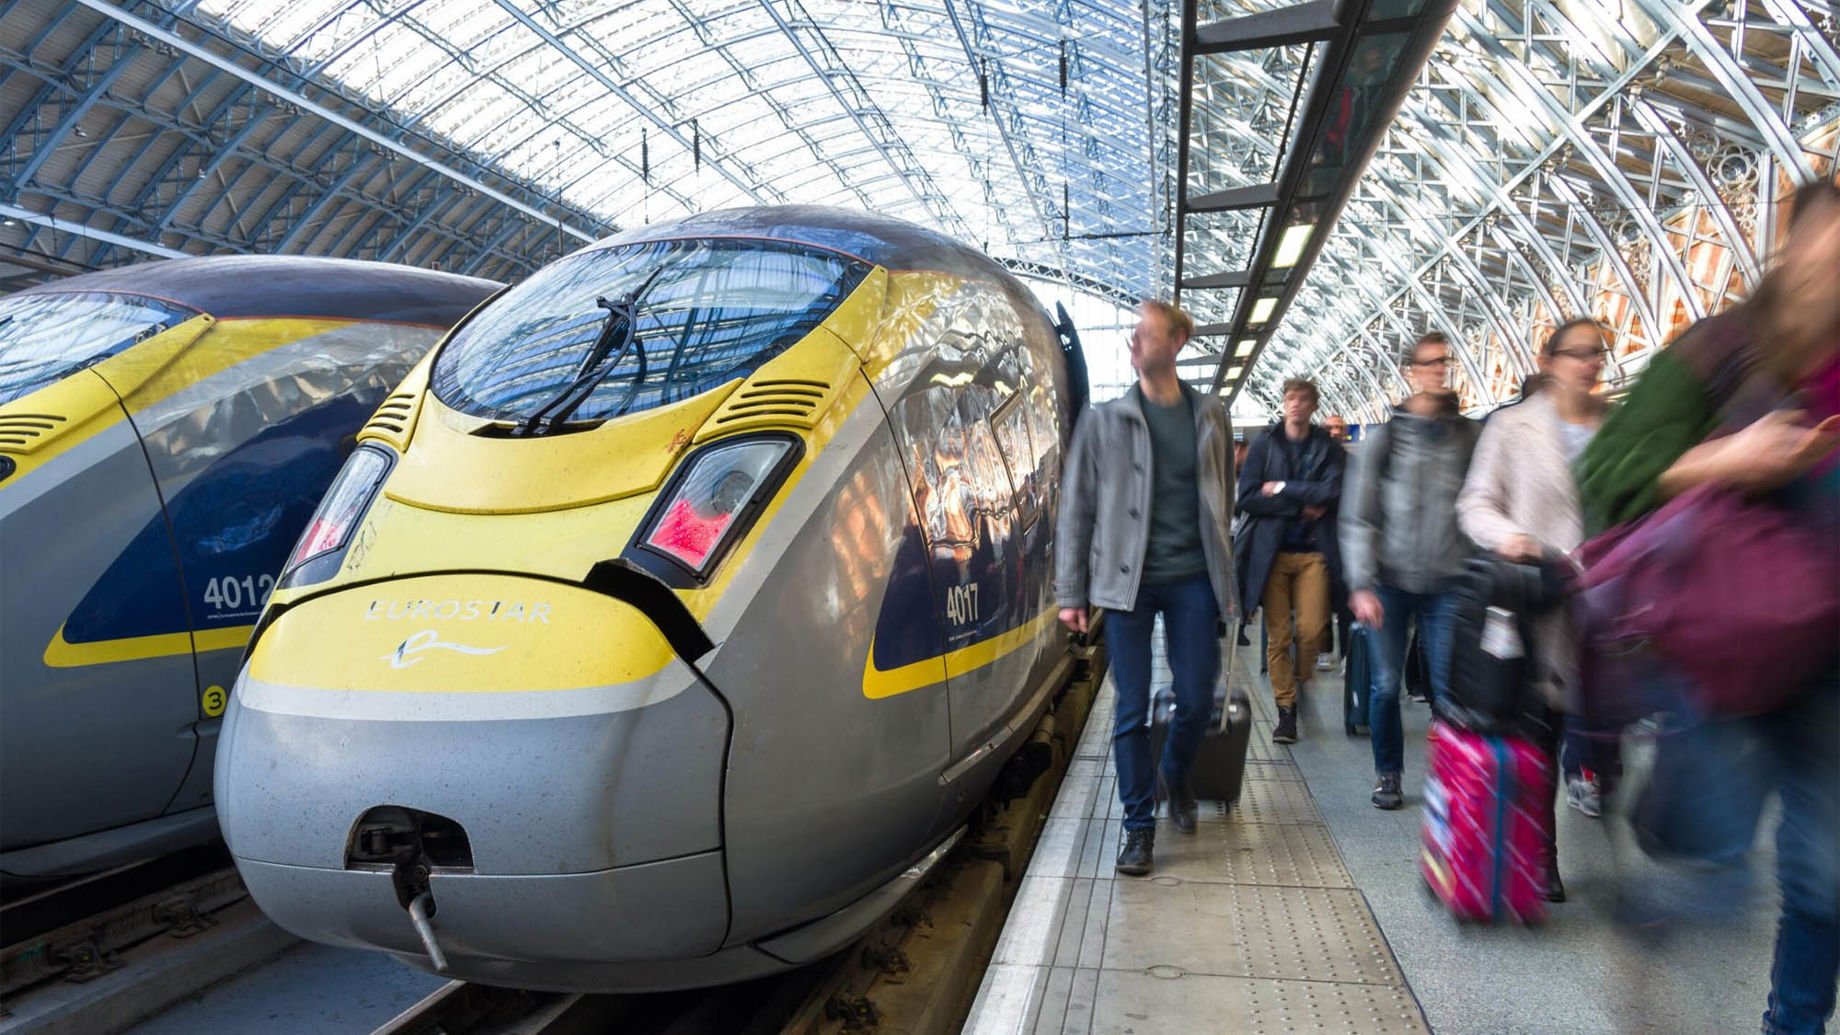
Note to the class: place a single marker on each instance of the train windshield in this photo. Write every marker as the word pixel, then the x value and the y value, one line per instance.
pixel 702 312
pixel 46 337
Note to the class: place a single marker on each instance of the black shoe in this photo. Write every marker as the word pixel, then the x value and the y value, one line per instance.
pixel 1554 891
pixel 1134 854
pixel 1386 792
pixel 1182 808
pixel 1286 733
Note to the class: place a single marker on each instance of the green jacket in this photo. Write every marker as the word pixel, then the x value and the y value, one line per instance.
pixel 1679 401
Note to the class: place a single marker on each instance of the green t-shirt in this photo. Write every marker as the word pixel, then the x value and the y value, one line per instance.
pixel 1175 502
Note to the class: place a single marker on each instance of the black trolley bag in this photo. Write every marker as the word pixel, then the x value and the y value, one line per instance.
pixel 1492 643
pixel 1357 680
pixel 1220 762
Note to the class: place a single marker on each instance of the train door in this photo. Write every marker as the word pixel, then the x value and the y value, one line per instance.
pixel 99 693
pixel 962 497
pixel 242 456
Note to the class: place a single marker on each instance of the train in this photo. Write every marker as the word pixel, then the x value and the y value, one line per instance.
pixel 166 429
pixel 674 615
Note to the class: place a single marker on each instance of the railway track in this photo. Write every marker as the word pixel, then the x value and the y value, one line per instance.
pixel 916 972
pixel 41 908
pixel 99 953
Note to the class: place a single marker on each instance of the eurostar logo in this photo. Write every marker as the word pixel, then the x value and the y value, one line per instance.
pixel 410 650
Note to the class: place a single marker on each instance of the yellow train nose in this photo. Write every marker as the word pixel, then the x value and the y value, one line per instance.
pixel 543 738
pixel 461 634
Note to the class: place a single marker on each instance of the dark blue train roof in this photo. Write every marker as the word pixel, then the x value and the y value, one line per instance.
pixel 886 242
pixel 232 286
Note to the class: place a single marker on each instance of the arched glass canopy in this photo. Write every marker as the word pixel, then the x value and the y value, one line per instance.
pixel 1615 157
pixel 1557 158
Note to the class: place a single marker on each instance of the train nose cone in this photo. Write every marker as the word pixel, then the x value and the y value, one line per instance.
pixel 548 730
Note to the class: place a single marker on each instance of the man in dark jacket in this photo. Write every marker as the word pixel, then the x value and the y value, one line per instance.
pixel 1288 556
pixel 1401 547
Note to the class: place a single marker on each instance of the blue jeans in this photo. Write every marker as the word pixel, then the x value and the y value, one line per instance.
pixel 1580 748
pixel 1711 780
pixel 1191 621
pixel 1435 612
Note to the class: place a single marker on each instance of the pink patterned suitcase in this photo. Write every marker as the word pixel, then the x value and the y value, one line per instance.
pixel 1486 825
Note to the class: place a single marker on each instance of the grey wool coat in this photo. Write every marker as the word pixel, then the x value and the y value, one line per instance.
pixel 1106 485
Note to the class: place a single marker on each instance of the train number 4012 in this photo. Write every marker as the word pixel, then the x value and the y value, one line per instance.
pixel 231 593
pixel 962 604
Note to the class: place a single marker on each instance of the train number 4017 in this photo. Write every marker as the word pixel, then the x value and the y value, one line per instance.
pixel 962 604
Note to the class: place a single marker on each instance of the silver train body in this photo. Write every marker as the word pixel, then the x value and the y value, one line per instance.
pixel 675 686
pixel 165 431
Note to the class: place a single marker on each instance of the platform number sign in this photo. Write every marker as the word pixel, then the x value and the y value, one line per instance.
pixel 962 604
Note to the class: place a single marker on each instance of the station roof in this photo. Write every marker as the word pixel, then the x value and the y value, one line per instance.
pixel 1551 156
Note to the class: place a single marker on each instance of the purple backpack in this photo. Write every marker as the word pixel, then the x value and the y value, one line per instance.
pixel 1731 593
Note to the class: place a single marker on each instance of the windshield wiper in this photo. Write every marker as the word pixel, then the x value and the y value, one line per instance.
pixel 619 332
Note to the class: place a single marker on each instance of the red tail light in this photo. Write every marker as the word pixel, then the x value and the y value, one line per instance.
pixel 712 498
pixel 343 507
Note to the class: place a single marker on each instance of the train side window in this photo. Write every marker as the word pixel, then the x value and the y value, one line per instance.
pixel 1044 428
pixel 1012 426
pixel 990 474
pixel 47 335
pixel 961 479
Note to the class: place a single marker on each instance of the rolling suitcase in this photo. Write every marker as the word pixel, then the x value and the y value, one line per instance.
pixel 1357 681
pixel 1220 762
pixel 1485 829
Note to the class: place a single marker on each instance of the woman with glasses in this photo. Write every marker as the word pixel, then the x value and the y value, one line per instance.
pixel 1521 502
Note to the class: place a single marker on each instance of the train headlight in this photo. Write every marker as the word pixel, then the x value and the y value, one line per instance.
pixel 713 500
pixel 340 511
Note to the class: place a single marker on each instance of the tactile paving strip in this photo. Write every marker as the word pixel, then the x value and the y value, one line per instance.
pixel 1246 930
pixel 1272 769
pixel 1276 801
pixel 1259 747
pixel 1295 855
pixel 1194 1002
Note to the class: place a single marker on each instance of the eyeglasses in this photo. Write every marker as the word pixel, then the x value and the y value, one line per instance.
pixel 1584 355
pixel 1442 361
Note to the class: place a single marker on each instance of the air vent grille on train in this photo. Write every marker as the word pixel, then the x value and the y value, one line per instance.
pixel 796 400
pixel 395 416
pixel 20 432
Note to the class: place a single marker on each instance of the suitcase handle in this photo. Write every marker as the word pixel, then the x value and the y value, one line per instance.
pixel 1226 676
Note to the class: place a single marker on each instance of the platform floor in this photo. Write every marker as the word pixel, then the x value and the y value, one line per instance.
pixel 1303 910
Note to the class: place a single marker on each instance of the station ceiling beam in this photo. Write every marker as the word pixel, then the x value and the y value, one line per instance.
pixel 1312 22
pixel 299 100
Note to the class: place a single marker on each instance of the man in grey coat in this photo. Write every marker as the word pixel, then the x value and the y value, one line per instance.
pixel 1146 496
pixel 1401 549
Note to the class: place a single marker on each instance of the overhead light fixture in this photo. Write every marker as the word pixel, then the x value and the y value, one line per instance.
pixel 1233 374
pixel 1245 348
pixel 1290 246
pixel 1261 310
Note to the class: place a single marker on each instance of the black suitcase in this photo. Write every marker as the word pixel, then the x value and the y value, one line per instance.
pixel 1220 763
pixel 1491 645
pixel 1357 681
